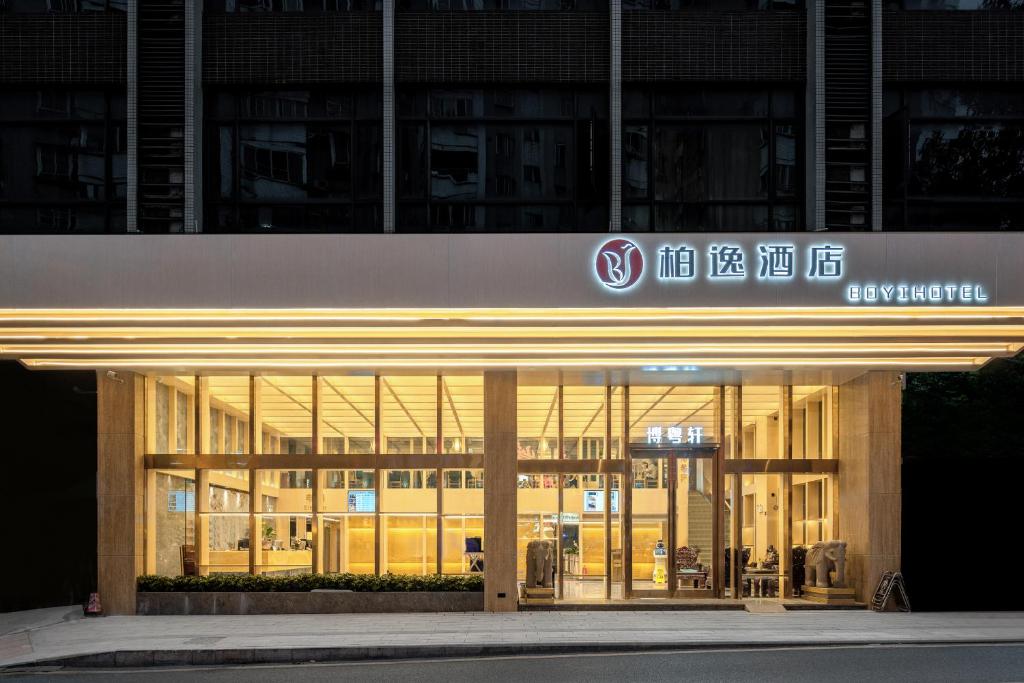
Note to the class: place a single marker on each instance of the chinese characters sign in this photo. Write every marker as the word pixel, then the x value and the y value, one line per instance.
pixel 675 435
pixel 620 266
pixel 730 261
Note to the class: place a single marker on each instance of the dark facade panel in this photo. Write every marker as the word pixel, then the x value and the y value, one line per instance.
pixel 327 48
pixel 161 112
pixel 847 115
pixel 953 46
pixel 512 47
pixel 714 46
pixel 69 48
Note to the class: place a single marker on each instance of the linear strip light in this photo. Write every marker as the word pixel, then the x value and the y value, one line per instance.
pixel 136 349
pixel 271 363
pixel 508 314
pixel 502 333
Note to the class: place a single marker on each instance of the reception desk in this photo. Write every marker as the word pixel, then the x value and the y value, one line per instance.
pixel 267 561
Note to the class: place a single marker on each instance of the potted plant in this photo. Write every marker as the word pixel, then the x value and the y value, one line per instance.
pixel 268 536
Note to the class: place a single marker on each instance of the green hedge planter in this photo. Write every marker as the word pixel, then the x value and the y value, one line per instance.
pixel 359 583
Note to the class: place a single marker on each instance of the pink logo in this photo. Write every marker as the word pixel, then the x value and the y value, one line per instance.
pixel 619 264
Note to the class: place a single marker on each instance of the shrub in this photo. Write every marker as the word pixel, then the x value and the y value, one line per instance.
pixel 360 583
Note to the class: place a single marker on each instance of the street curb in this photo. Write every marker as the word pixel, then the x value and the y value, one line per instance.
pixel 306 655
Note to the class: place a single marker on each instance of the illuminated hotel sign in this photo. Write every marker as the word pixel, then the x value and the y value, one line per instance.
pixel 619 265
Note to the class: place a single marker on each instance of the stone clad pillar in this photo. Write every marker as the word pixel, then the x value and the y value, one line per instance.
pixel 500 467
pixel 120 488
pixel 869 478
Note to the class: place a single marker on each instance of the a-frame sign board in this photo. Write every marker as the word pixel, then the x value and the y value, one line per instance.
pixel 890 586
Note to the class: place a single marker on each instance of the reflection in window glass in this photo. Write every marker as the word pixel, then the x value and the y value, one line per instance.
pixel 291 6
pixel 285 160
pixel 502 159
pixel 955 4
pixel 507 5
pixel 953 159
pixel 710 160
pixel 715 5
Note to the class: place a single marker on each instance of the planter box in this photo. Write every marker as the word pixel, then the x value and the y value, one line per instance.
pixel 316 602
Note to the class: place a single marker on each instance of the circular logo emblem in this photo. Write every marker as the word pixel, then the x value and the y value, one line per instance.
pixel 619 264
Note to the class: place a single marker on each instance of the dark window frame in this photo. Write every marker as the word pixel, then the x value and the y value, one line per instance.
pixel 426 120
pixel 114 130
pixel 770 121
pixel 898 200
pixel 357 206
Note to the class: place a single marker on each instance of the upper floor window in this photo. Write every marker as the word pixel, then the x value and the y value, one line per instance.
pixel 502 159
pixel 711 160
pixel 509 5
pixel 292 6
pixel 62 6
pixel 63 163
pixel 294 160
pixel 712 5
pixel 953 159
pixel 954 4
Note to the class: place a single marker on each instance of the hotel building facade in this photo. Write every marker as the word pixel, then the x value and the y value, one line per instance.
pixel 402 287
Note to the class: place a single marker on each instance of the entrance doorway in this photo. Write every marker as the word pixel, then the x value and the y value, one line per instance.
pixel 675 522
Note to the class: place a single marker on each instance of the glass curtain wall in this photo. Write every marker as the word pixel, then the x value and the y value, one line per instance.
pixel 64 166
pixel 294 161
pixel 510 159
pixel 363 518
pixel 710 160
pixel 954 158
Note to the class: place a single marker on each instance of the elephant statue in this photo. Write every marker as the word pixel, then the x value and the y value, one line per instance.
pixel 821 558
pixel 540 557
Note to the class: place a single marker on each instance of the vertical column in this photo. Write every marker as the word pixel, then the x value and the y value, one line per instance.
pixel 439 476
pixel 202 422
pixel 869 478
pixel 378 448
pixel 255 415
pixel 736 520
pixel 193 115
pixel 120 488
pixel 132 125
pixel 876 114
pixel 786 495
pixel 318 448
pixel 627 500
pixel 718 496
pixel 615 118
pixel 500 490
pixel 736 538
pixel 389 116
pixel 815 117
pixel 559 550
pixel 607 517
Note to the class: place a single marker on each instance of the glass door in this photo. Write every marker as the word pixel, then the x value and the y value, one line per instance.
pixel 673 517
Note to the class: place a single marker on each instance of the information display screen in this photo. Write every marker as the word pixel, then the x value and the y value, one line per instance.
pixel 593 500
pixel 362 501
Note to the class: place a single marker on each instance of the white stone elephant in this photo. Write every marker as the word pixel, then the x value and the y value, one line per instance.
pixel 821 559
pixel 540 556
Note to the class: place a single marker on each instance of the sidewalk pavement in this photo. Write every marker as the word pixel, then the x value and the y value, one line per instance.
pixel 62 637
